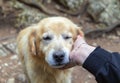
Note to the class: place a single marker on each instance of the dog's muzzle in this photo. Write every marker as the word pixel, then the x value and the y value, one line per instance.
pixel 58 56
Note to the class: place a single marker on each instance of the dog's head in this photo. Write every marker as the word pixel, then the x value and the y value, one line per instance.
pixel 54 38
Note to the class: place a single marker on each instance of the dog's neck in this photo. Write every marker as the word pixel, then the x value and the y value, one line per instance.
pixel 44 70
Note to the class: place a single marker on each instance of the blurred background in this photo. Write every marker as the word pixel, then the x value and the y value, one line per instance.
pixel 99 19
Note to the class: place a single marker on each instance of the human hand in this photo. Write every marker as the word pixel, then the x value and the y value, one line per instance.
pixel 81 50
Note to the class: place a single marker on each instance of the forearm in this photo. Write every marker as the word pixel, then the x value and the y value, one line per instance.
pixel 105 66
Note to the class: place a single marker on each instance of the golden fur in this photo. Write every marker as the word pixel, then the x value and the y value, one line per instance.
pixel 33 50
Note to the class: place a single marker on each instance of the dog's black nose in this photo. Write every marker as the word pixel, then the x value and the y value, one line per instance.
pixel 59 56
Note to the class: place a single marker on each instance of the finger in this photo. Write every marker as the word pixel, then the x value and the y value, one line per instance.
pixel 69 65
pixel 79 41
pixel 72 54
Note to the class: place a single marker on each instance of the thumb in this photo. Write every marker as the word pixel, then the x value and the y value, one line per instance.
pixel 74 57
pixel 79 41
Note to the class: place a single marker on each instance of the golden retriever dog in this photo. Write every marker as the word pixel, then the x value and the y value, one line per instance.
pixel 43 48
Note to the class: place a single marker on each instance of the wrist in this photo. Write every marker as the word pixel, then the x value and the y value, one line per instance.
pixel 87 50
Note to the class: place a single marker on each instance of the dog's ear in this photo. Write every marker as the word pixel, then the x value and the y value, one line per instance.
pixel 79 31
pixel 32 43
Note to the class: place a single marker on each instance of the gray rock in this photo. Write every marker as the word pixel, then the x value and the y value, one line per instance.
pixel 12 46
pixel 14 57
pixel 118 32
pixel 7 48
pixel 3 51
pixel 113 37
pixel 21 78
pixel 72 4
pixel 6 64
pixel 94 44
pixel 28 15
pixel 11 80
pixel 90 76
pixel 105 11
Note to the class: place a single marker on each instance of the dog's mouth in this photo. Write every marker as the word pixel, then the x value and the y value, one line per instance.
pixel 58 65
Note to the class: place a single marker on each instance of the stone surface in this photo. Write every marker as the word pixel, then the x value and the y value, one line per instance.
pixel 118 32
pixel 113 37
pixel 14 57
pixel 27 14
pixel 22 78
pixel 7 48
pixel 3 51
pixel 11 80
pixel 71 4
pixel 94 44
pixel 105 11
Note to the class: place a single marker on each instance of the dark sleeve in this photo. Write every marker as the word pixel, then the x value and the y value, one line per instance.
pixel 105 66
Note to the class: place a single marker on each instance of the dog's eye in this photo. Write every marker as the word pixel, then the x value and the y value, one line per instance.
pixel 48 38
pixel 67 37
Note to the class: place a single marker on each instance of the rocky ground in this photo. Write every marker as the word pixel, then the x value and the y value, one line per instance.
pixel 10 66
